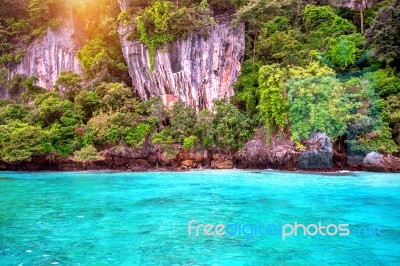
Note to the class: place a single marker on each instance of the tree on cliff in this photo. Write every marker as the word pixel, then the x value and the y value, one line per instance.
pixel 361 6
pixel 256 12
pixel 383 36
pixel 101 56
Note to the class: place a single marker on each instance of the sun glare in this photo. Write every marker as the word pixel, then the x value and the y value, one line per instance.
pixel 81 3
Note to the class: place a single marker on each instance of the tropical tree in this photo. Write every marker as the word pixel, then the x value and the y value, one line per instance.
pixel 256 12
pixel 383 35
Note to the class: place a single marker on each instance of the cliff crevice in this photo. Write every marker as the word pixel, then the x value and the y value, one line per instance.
pixel 46 57
pixel 198 69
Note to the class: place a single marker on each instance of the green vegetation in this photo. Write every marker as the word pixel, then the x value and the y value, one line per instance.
pixel 228 128
pixel 307 68
pixel 383 35
pixel 189 142
pixel 69 84
pixel 162 22
pixel 87 154
pixel 314 103
pixel 101 56
pixel 20 24
pixel 110 114
pixel 273 105
pixel 158 25
pixel 19 142
pixel 319 73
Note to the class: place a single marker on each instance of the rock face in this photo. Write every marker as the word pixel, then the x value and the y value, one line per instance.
pixel 319 154
pixel 258 154
pixel 390 164
pixel 280 154
pixel 372 158
pixel 197 70
pixel 356 4
pixel 50 55
pixel 378 162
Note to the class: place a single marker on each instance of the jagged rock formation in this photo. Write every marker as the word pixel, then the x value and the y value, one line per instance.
pixel 47 57
pixel 279 153
pixel 262 153
pixel 372 158
pixel 319 153
pixel 197 70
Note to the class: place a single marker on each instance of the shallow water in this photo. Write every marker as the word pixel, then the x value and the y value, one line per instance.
pixel 104 218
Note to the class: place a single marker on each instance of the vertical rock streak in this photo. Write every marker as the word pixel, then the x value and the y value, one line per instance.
pixel 198 69
pixel 50 55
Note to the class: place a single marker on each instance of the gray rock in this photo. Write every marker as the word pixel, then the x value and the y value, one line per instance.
pixel 50 55
pixel 320 155
pixel 373 158
pixel 277 153
pixel 324 140
pixel 198 69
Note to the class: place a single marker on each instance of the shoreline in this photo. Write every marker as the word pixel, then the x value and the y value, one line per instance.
pixel 91 167
pixel 161 170
pixel 254 156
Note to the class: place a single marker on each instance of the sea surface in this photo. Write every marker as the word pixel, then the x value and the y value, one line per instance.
pixel 107 218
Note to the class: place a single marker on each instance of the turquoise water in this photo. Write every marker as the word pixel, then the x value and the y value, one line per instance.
pixel 100 218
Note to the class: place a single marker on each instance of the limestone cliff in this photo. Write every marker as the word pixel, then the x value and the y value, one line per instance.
pixel 198 69
pixel 50 55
